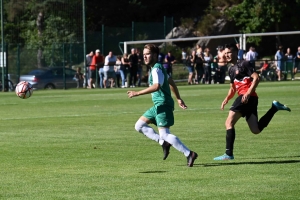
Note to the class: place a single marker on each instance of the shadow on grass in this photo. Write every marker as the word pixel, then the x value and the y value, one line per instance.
pixel 152 172
pixel 263 158
pixel 222 163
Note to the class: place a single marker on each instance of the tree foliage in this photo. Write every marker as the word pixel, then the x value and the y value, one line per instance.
pixel 253 16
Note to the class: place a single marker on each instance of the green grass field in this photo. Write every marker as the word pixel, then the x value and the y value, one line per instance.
pixel 81 144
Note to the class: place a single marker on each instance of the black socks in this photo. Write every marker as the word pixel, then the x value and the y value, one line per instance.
pixel 230 137
pixel 265 120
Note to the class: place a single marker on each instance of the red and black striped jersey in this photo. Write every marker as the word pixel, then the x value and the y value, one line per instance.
pixel 240 76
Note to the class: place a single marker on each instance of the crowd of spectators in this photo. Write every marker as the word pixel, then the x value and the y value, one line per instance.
pixel 128 70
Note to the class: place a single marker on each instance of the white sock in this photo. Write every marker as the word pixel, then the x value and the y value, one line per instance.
pixel 174 141
pixel 149 132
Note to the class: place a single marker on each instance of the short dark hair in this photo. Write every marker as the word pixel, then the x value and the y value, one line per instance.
pixel 232 47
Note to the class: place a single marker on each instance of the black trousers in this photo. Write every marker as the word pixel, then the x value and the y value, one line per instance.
pixel 132 75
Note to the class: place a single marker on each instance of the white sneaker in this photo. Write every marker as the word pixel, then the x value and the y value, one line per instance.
pixel 123 86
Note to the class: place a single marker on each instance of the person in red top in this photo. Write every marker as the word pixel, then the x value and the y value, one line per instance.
pixel 243 80
pixel 264 68
pixel 97 62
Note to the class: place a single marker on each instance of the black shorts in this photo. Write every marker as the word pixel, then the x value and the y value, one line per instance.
pixel 92 74
pixel 245 109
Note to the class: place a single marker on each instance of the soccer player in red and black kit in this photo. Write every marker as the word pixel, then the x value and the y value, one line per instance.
pixel 243 80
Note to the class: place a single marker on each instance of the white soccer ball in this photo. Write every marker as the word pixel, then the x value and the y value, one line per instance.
pixel 24 90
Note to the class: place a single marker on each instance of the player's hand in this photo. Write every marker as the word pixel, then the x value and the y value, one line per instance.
pixel 223 104
pixel 181 104
pixel 245 98
pixel 132 94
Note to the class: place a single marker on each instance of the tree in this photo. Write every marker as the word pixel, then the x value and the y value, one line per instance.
pixel 44 25
pixel 253 16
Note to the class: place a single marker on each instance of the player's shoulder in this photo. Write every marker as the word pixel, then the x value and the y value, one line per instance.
pixel 157 65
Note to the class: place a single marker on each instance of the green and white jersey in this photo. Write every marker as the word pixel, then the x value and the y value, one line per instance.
pixel 163 96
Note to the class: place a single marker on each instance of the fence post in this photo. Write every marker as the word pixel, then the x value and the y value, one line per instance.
pixel 84 44
pixel 132 31
pixel 2 45
pixel 70 55
pixel 102 48
pixel 18 62
pixel 64 73
pixel 165 30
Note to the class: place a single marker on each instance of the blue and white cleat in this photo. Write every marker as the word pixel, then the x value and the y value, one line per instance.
pixel 224 157
pixel 280 106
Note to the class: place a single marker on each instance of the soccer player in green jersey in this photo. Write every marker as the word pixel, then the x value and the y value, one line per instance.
pixel 161 114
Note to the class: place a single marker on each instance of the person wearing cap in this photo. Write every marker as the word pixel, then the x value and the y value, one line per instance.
pixel 97 62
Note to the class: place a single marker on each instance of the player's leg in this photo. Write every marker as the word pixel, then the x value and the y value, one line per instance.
pixel 164 120
pixel 172 139
pixel 265 120
pixel 142 126
pixel 235 113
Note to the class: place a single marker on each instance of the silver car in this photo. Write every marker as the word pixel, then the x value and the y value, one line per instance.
pixel 50 78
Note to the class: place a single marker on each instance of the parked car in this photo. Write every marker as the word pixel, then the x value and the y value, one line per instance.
pixel 50 78
pixel 10 82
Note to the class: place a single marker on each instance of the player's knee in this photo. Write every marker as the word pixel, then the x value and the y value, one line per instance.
pixel 228 124
pixel 139 125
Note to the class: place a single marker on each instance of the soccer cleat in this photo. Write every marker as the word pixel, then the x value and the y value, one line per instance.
pixel 166 149
pixel 191 158
pixel 280 106
pixel 224 157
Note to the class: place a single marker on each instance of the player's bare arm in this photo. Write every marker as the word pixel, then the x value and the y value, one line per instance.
pixel 175 91
pixel 229 96
pixel 255 82
pixel 153 88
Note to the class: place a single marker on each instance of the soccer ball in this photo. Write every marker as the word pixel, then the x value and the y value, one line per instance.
pixel 24 90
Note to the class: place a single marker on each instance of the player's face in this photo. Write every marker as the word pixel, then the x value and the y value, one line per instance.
pixel 148 57
pixel 229 55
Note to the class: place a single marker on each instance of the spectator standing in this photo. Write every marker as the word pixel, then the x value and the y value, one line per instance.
pixel 168 63
pixel 251 56
pixel 190 64
pixel 199 64
pixel 133 59
pixel 215 72
pixel 222 64
pixel 240 52
pixel 140 67
pixel 108 69
pixel 279 57
pixel 78 77
pixel 183 57
pixel 117 69
pixel 97 61
pixel 297 62
pixel 289 62
pixel 124 69
pixel 89 58
pixel 208 58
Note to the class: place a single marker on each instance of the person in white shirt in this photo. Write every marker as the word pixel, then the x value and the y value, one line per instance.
pixel 251 56
pixel 108 69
